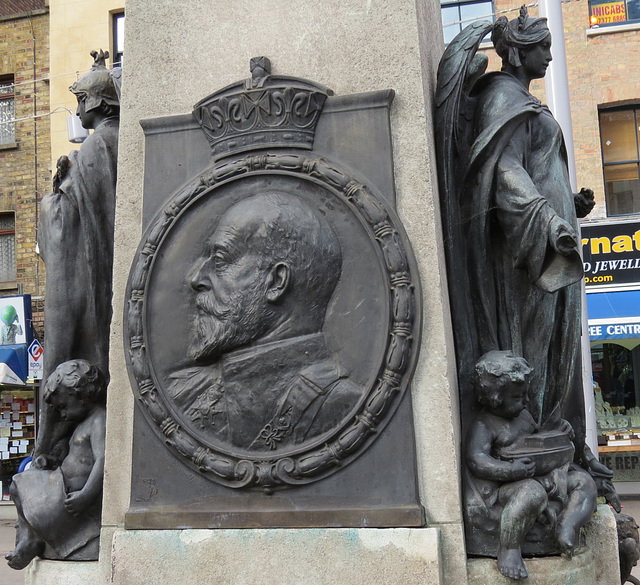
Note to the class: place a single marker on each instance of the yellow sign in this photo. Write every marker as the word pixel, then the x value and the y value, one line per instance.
pixel 608 13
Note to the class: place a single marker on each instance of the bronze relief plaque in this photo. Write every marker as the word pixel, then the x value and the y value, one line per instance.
pixel 272 322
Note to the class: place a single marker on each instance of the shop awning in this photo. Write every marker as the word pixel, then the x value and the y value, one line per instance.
pixel 13 364
pixel 614 315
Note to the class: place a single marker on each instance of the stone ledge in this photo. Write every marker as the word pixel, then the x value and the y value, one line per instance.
pixel 362 556
pixel 41 572
pixel 596 565
pixel 608 30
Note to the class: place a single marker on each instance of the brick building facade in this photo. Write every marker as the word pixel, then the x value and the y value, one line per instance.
pixel 25 176
pixel 25 149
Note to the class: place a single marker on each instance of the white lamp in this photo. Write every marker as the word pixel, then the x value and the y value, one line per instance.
pixel 75 130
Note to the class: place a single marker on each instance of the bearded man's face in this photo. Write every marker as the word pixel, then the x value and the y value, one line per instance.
pixel 230 281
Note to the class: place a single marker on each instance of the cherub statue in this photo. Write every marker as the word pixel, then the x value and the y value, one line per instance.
pixel 628 547
pixel 523 471
pixel 59 507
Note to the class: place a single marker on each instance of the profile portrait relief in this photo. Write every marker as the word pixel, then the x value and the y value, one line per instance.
pixel 273 317
pixel 259 375
pixel 271 320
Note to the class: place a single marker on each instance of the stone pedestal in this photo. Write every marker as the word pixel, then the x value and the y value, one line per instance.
pixel 278 557
pixel 597 564
pixel 177 53
pixel 43 572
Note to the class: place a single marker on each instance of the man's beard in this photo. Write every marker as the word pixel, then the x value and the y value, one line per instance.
pixel 243 319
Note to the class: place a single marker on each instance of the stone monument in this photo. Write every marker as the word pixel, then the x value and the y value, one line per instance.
pixel 300 318
pixel 351 483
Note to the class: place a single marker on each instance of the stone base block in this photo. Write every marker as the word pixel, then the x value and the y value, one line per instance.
pixel 278 557
pixel 41 572
pixel 596 565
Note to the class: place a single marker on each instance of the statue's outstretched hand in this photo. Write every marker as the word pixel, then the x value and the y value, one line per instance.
pixel 562 237
pixel 584 202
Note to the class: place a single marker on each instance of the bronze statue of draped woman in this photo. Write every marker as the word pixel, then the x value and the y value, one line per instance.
pixel 59 500
pixel 510 222
pixel 75 236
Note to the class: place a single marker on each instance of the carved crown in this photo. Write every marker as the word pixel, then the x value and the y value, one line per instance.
pixel 266 111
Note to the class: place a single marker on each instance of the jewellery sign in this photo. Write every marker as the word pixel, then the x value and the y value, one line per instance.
pixel 611 255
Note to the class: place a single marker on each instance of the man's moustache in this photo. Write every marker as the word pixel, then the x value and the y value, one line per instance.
pixel 206 304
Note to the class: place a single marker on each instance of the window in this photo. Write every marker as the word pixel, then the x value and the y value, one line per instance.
pixel 619 137
pixel 608 12
pixel 118 38
pixel 615 371
pixel 7 247
pixel 7 110
pixel 457 15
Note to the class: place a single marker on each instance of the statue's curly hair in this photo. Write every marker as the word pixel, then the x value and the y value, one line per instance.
pixel 493 370
pixel 80 376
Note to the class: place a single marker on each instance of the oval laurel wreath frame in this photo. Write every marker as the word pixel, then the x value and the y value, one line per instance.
pixel 355 433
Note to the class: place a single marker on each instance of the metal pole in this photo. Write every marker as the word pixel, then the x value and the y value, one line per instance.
pixel 557 80
pixel 557 93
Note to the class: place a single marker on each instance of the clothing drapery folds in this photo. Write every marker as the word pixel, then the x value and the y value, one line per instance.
pixel 75 237
pixel 516 204
pixel 76 241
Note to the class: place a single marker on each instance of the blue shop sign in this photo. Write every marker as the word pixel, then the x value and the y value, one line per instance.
pixel 614 315
pixel 13 364
pixel 614 331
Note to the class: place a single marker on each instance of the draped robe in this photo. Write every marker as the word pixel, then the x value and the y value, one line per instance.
pixel 517 204
pixel 75 237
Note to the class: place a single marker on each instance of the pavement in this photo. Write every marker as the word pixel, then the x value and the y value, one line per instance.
pixel 8 517
pixel 7 539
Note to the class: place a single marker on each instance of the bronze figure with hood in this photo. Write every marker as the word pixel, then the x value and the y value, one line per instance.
pixel 75 232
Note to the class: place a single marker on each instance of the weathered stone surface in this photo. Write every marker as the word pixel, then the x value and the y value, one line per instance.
pixel 42 572
pixel 593 565
pixel 278 557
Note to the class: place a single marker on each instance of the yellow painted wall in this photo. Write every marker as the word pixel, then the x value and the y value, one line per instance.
pixel 76 27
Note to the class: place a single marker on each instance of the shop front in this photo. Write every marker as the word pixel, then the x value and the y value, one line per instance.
pixel 612 276
pixel 20 359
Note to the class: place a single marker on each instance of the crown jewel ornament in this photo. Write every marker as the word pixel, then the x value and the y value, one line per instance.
pixel 266 111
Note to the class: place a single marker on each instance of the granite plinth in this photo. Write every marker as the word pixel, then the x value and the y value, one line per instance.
pixel 278 557
pixel 596 564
